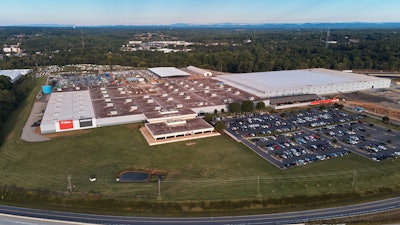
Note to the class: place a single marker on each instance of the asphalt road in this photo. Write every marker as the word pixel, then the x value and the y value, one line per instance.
pixel 28 132
pixel 278 218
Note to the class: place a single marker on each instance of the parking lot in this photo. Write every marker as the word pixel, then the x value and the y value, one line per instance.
pixel 306 136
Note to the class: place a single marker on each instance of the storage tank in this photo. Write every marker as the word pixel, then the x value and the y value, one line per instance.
pixel 199 71
pixel 46 89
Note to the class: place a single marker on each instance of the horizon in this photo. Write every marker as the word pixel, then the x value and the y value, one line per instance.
pixel 196 13
pixel 317 25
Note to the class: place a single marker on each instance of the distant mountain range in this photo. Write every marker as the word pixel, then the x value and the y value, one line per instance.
pixel 350 25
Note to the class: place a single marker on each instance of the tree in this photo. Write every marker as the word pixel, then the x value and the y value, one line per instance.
pixel 260 105
pixel 235 107
pixel 208 117
pixel 5 82
pixel 247 106
pixel 220 126
pixel 338 106
pixel 385 119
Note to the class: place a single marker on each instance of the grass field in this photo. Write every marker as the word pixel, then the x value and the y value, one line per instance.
pixel 212 168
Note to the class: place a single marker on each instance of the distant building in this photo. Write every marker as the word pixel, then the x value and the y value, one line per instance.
pixel 15 74
pixel 12 48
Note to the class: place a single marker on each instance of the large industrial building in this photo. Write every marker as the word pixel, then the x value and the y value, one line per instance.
pixel 14 75
pixel 171 105
pixel 300 82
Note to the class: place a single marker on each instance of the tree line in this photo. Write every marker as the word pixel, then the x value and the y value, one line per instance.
pixel 12 95
pixel 216 49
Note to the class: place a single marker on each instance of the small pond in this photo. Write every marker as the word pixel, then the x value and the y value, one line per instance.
pixel 134 176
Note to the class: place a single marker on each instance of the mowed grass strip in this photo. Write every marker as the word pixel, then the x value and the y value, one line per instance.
pixel 212 168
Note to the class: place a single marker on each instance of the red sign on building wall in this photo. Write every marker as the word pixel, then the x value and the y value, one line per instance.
pixel 66 124
pixel 324 101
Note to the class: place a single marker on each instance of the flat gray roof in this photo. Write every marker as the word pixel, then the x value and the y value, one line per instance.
pixel 168 72
pixel 70 105
pixel 261 82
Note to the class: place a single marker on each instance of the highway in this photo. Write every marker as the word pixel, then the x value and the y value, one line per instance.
pixel 278 218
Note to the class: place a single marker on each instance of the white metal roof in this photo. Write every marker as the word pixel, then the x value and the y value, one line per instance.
pixel 15 74
pixel 68 106
pixel 261 82
pixel 168 71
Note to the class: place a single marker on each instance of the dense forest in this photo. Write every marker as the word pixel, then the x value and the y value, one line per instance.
pixel 11 95
pixel 269 49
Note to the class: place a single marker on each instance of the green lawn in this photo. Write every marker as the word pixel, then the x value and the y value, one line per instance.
pixel 213 168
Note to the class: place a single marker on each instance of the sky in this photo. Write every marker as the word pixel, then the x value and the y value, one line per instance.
pixel 164 12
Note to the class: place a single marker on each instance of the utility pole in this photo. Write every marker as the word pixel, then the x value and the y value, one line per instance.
pixel 354 179
pixel 258 188
pixel 69 183
pixel 159 189
pixel 328 34
pixel 83 43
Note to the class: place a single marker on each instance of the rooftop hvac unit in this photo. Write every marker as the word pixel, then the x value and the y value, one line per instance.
pixel 176 90
pixel 228 100
pixel 180 83
pixel 195 82
pixel 206 91
pixel 113 112
pixel 146 96
pixel 171 87
pixel 59 89
pixel 187 97
pixel 106 96
pixel 237 92
pixel 170 98
pixel 133 108
pixel 200 103
pixel 150 100
pixel 157 108
pixel 229 89
pixel 181 93
pixel 77 88
pixel 179 106
pixel 122 92
pixel 166 84
pixel 207 87
pixel 102 89
pixel 107 99
pixel 104 92
pixel 110 104
pixel 186 86
pixel 164 95
pixel 201 85
pixel 192 89
pixel 128 100
pixel 213 95
pixel 251 98
pixel 120 89
pixel 221 86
